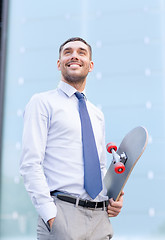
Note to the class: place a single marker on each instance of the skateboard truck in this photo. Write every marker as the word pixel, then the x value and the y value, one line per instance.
pixel 118 160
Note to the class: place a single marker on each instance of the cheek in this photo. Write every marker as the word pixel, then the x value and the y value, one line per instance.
pixel 63 62
pixel 61 65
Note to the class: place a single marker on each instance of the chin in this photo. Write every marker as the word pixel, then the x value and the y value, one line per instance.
pixel 74 78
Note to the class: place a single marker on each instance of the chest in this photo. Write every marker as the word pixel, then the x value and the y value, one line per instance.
pixel 65 122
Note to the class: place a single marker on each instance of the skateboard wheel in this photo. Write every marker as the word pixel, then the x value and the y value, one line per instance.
pixel 119 167
pixel 111 146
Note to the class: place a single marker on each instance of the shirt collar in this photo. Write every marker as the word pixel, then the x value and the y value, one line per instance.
pixel 67 88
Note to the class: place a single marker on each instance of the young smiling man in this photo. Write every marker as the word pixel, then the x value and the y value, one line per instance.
pixel 52 162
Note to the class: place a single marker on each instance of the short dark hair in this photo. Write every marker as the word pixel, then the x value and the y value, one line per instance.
pixel 73 40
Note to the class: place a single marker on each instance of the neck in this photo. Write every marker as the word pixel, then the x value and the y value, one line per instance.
pixel 79 86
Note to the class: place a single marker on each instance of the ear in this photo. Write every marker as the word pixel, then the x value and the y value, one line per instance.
pixel 59 65
pixel 91 66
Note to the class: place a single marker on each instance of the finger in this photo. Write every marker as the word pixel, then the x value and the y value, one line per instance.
pixel 112 213
pixel 113 210
pixel 121 196
pixel 122 193
pixel 50 222
pixel 115 204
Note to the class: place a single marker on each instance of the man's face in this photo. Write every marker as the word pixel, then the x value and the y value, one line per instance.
pixel 74 62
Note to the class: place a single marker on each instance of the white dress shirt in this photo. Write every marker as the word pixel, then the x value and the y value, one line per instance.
pixel 52 157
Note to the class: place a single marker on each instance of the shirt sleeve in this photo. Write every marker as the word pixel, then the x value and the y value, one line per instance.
pixel 36 125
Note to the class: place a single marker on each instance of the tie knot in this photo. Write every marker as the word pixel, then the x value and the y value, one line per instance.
pixel 79 95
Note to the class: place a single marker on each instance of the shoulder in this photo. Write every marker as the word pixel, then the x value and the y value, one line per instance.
pixel 40 101
pixel 42 98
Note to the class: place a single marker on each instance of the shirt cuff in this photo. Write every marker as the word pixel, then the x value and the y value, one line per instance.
pixel 47 211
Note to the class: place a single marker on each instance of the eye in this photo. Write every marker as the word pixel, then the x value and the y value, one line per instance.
pixel 67 52
pixel 82 53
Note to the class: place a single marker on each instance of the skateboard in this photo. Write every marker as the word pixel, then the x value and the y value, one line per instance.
pixel 124 160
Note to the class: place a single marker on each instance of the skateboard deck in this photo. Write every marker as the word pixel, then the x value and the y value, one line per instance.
pixel 133 146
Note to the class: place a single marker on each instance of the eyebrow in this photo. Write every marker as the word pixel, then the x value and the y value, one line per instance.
pixel 69 48
pixel 65 49
pixel 83 49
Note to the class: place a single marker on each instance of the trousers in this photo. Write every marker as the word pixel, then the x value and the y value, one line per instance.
pixel 76 223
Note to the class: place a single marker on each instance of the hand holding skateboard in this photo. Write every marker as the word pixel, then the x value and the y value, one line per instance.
pixel 114 207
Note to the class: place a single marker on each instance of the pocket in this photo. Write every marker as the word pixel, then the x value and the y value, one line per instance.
pixel 51 228
pixel 43 229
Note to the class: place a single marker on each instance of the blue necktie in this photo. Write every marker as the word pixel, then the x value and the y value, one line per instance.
pixel 92 172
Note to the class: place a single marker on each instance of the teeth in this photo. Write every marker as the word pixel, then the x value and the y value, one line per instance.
pixel 73 65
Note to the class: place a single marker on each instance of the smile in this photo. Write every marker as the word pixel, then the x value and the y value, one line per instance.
pixel 74 64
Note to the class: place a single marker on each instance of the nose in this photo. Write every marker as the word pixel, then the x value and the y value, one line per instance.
pixel 74 55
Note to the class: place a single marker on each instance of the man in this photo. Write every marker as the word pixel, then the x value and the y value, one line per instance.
pixel 53 157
